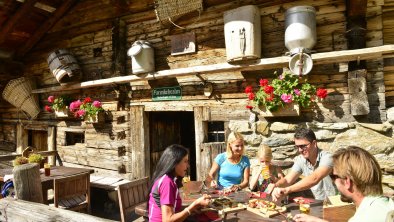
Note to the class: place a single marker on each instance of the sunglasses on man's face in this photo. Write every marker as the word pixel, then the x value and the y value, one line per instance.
pixel 335 176
pixel 302 146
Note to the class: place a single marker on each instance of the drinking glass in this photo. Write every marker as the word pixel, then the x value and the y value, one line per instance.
pixel 305 208
pixel 47 169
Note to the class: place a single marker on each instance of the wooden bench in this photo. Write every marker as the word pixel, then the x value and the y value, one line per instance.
pixel 18 210
pixel 131 195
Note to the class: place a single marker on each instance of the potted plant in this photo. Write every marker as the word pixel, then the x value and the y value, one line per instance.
pixel 20 160
pixel 285 93
pixel 36 158
pixel 88 110
pixel 59 105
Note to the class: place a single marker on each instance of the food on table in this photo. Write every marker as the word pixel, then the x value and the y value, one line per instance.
pixel 262 204
pixel 223 202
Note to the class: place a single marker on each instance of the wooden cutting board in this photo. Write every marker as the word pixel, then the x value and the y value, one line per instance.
pixel 268 213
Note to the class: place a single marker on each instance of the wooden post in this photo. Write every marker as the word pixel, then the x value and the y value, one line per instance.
pixel 139 142
pixel 22 137
pixel 51 144
pixel 201 114
pixel 27 182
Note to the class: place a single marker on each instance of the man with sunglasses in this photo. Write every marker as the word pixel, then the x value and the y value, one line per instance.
pixel 358 178
pixel 313 163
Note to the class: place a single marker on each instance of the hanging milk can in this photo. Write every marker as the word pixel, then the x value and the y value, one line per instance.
pixel 242 32
pixel 300 37
pixel 142 57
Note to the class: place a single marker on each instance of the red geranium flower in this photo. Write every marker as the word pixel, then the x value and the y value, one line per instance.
pixel 249 107
pixel 48 109
pixel 263 82
pixel 321 93
pixel 87 100
pixel 248 89
pixel 251 96
pixel 268 89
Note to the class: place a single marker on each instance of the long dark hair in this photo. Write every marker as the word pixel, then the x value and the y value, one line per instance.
pixel 171 156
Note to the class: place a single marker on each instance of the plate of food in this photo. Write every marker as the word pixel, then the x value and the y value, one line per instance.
pixel 265 208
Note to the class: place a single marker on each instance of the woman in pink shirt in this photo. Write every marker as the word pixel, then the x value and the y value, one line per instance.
pixel 165 203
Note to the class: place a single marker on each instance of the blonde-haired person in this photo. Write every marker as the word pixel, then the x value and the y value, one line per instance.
pixel 261 177
pixel 358 177
pixel 232 167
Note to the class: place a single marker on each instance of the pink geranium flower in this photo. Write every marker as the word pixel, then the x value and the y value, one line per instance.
pixel 287 98
pixel 75 105
pixel 97 104
pixel 51 99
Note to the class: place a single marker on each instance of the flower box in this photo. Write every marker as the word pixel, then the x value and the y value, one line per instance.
pixel 290 109
pixel 63 113
pixel 98 118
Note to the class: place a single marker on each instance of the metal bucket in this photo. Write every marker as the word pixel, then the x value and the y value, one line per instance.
pixel 142 57
pixel 300 28
pixel 64 66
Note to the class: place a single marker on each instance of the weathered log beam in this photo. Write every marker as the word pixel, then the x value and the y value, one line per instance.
pixel 45 27
pixel 13 21
pixel 385 51
pixel 18 210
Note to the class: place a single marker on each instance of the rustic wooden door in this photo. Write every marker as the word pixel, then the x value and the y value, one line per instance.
pixel 38 139
pixel 166 128
pixel 209 151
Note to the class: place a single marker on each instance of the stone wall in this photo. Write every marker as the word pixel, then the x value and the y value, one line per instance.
pixel 378 139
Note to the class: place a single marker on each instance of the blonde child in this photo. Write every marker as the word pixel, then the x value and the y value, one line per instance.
pixel 266 173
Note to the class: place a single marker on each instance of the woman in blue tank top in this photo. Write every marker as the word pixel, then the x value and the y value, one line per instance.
pixel 232 167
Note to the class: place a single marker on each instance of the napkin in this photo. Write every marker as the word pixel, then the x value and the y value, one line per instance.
pixel 303 200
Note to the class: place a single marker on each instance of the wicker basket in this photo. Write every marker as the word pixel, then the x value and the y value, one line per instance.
pixel 18 93
pixel 167 9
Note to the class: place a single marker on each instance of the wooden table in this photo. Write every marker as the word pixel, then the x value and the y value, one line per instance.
pixel 56 172
pixel 107 183
pixel 242 216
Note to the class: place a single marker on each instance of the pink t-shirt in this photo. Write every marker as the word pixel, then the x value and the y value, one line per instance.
pixel 168 192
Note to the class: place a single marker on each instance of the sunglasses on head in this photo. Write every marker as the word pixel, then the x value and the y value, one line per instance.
pixel 302 146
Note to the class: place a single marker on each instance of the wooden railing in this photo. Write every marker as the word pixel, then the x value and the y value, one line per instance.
pixel 54 153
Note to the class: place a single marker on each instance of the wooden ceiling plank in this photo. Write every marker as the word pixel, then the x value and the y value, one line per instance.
pixel 261 64
pixel 7 28
pixel 60 11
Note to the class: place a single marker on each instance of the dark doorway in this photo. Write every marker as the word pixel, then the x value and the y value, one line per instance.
pixel 166 128
pixel 38 139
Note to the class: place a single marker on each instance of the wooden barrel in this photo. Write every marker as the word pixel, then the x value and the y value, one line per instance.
pixel 64 66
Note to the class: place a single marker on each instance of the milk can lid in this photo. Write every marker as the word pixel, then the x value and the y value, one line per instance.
pixel 134 50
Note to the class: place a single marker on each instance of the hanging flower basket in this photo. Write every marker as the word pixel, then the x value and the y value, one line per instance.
pixel 63 113
pixel 97 118
pixel 290 109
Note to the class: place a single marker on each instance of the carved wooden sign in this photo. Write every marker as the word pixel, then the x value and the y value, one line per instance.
pixel 183 43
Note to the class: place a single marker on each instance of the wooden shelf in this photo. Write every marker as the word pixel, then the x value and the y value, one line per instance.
pixel 378 52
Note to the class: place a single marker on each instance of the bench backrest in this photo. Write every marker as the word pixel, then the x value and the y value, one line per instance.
pixel 130 195
pixel 73 192
pixel 53 153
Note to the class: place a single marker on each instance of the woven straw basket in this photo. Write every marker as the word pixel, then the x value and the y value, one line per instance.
pixel 18 93
pixel 167 9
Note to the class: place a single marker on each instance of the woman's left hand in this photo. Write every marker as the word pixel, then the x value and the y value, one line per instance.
pixel 235 187
pixel 204 200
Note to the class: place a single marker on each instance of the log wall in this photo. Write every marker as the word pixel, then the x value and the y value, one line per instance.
pixel 388 38
pixel 87 30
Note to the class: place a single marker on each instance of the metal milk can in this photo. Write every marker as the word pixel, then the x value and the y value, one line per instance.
pixel 142 57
